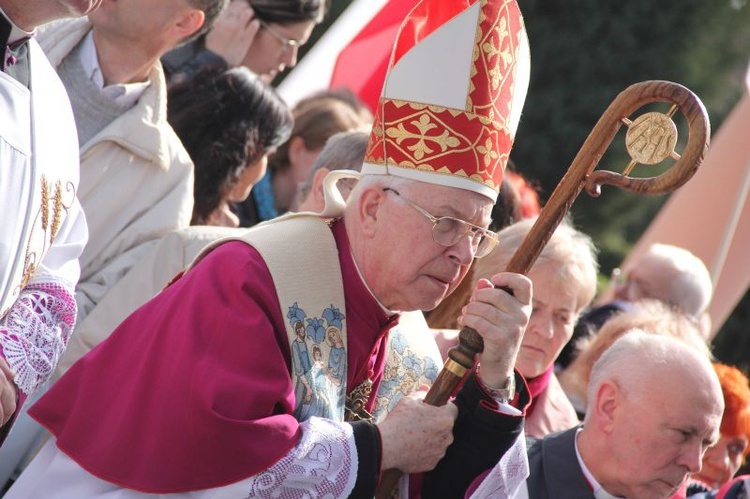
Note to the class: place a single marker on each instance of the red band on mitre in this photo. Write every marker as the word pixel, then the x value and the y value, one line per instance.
pixel 439 140
pixel 473 143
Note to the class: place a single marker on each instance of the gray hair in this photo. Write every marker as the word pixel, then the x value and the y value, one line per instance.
pixel 572 252
pixel 633 357
pixel 343 151
pixel 381 181
pixel 691 289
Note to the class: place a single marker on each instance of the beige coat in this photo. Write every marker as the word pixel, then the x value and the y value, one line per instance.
pixel 553 412
pixel 136 178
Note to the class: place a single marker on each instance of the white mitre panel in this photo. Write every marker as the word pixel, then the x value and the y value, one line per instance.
pixel 521 82
pixel 437 70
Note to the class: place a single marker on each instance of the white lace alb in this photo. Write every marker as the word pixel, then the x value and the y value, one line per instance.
pixel 508 475
pixel 322 465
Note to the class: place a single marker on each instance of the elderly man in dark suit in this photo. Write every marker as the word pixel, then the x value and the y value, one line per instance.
pixel 655 406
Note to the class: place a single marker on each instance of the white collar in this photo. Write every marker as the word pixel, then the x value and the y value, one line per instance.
pixel 599 492
pixel 126 94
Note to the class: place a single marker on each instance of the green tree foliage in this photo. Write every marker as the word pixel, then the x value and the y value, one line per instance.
pixel 584 53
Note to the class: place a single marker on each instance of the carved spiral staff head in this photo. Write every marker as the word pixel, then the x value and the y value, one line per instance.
pixel 651 137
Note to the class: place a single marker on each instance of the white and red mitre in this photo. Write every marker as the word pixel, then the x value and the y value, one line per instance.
pixel 453 95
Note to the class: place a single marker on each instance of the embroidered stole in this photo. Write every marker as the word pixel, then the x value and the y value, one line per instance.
pixel 313 304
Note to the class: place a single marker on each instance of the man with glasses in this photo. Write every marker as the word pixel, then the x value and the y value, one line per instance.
pixel 448 231
pixel 663 272
pixel 270 367
pixel 667 273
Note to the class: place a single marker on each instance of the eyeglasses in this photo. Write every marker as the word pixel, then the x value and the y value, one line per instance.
pixel 447 231
pixel 286 43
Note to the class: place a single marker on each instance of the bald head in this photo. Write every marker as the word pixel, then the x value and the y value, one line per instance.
pixel 669 274
pixel 655 356
pixel 655 405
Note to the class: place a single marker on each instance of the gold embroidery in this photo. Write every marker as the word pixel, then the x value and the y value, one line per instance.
pixel 43 229
pixel 58 208
pixel 45 203
pixel 490 50
pixel 489 153
pixel 28 271
pixel 424 125
pixel 404 141
pixel 354 410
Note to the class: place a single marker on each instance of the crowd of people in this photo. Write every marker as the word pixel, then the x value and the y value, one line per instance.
pixel 210 293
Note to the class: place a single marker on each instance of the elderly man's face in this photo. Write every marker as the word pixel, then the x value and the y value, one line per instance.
pixel 650 277
pixel 405 267
pixel 661 433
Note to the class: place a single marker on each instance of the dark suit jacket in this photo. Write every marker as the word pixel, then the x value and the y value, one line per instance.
pixel 554 469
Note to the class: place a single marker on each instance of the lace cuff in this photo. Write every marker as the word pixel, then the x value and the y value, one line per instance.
pixel 323 464
pixel 36 329
pixel 508 475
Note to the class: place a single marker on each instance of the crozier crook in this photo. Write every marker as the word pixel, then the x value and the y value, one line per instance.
pixel 650 139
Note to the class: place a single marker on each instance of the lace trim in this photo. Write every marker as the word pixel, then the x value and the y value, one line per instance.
pixel 323 464
pixel 508 475
pixel 36 329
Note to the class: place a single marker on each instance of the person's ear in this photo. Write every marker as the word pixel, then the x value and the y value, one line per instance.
pixel 368 209
pixel 607 402
pixel 316 190
pixel 190 22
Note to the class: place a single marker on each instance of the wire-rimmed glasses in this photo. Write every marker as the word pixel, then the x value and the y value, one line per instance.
pixel 286 43
pixel 447 231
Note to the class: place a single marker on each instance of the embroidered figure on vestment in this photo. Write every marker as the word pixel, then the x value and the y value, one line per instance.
pixel 318 363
